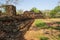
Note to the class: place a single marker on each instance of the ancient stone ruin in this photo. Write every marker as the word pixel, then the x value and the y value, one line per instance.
pixel 12 26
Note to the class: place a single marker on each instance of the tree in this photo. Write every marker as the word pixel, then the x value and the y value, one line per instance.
pixel 35 10
pixel 55 12
pixel 44 38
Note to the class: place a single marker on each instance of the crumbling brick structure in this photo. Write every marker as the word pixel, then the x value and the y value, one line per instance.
pixel 10 9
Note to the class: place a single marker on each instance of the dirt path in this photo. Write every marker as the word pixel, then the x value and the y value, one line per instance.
pixel 33 34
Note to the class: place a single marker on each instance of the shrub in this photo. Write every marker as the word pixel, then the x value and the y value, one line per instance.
pixel 57 28
pixel 44 38
pixel 40 24
pixel 59 37
pixel 58 22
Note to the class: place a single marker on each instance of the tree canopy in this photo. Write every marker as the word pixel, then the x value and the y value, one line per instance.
pixel 55 11
pixel 34 9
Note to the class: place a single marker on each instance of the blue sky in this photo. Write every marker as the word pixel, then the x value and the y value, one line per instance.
pixel 40 4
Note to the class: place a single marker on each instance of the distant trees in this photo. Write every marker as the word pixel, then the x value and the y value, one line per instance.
pixel 34 9
pixel 46 14
pixel 55 12
pixel 20 11
pixel 44 38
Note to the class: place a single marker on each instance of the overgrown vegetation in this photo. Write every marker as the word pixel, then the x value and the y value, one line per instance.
pixel 40 24
pixel 43 38
pixel 58 27
pixel 55 12
pixel 59 37
pixel 35 10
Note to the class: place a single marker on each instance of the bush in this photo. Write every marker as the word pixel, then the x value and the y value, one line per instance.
pixel 40 24
pixel 44 38
pixel 58 22
pixel 57 28
pixel 59 37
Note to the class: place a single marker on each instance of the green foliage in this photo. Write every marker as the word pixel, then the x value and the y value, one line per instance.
pixel 58 22
pixel 40 23
pixel 59 37
pixel 44 38
pixel 35 10
pixel 52 13
pixel 58 27
pixel 55 11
